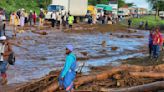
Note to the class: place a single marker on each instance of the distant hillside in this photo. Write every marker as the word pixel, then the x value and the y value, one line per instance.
pixel 13 5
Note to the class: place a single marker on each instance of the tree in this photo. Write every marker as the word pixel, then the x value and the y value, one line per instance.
pixel 121 3
pixel 94 2
pixel 130 4
pixel 158 5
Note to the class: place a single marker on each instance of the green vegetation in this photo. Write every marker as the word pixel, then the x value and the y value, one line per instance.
pixel 14 5
pixel 152 22
pixel 158 5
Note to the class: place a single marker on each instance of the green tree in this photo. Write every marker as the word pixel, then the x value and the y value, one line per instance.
pixel 157 5
pixel 94 2
pixel 130 4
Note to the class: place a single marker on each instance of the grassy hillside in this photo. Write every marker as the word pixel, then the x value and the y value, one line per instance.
pixel 13 5
pixel 152 22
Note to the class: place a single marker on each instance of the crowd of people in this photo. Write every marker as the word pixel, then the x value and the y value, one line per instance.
pixel 21 17
pixel 63 18
pixel 102 18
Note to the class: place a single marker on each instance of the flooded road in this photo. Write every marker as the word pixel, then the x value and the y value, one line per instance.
pixel 41 54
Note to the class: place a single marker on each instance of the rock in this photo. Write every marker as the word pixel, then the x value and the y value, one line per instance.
pixel 114 48
pixel 84 53
pixel 103 43
pixel 44 33
pixel 132 31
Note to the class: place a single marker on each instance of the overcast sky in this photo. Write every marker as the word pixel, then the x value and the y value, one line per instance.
pixel 139 3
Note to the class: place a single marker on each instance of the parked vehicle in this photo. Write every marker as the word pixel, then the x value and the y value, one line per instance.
pixel 74 7
pixel 161 14
pixel 123 12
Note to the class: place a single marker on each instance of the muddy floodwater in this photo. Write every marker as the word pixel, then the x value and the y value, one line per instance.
pixel 40 54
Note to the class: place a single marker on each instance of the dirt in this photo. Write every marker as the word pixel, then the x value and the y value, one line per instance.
pixel 123 79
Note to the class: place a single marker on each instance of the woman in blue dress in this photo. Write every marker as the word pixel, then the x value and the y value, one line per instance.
pixel 68 72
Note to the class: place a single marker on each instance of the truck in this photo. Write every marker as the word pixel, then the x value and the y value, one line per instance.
pixel 161 14
pixel 76 8
pixel 123 12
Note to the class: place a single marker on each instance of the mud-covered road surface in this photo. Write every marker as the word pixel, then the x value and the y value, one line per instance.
pixel 37 54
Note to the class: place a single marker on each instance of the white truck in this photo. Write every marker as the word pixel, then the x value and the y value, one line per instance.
pixel 161 14
pixel 123 12
pixel 74 7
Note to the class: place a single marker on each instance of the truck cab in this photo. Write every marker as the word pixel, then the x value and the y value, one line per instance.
pixel 51 8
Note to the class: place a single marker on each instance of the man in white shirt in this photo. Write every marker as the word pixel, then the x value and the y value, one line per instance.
pixel 53 17
pixel 5 51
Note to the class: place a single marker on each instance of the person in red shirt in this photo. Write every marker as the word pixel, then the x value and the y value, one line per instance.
pixel 157 42
pixel 163 45
pixel 34 17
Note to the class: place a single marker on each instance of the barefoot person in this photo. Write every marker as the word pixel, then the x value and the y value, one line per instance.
pixel 5 51
pixel 68 73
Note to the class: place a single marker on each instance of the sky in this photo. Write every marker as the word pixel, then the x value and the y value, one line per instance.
pixel 139 3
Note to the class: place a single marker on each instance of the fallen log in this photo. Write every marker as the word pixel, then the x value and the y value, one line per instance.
pixel 52 87
pixel 104 75
pixel 147 74
pixel 41 33
pixel 101 76
pixel 155 86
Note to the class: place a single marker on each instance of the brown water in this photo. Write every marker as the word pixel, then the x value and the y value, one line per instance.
pixel 47 53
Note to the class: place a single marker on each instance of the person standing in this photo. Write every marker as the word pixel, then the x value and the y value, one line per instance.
pixel 70 21
pixel 41 17
pixel 53 17
pixel 129 23
pixel 64 19
pixel 26 17
pixel 157 42
pixel 22 18
pixel 2 23
pixel 163 45
pixel 14 22
pixel 59 18
pixel 146 25
pixel 150 43
pixel 68 73
pixel 34 17
pixel 30 17
pixel 5 51
pixel 18 13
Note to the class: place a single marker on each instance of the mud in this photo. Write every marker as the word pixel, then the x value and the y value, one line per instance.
pixel 41 50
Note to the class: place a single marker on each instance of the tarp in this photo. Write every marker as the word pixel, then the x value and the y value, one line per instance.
pixel 108 8
pixel 104 7
pixel 91 8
